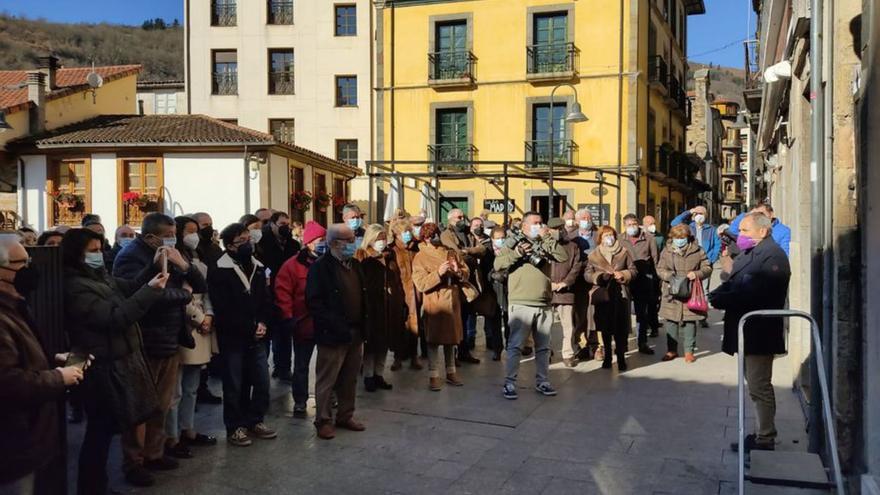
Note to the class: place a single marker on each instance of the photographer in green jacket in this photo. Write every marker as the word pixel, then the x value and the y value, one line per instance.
pixel 527 256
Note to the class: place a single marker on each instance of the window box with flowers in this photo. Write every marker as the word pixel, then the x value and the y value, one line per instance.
pixel 137 204
pixel 68 201
pixel 301 201
pixel 323 201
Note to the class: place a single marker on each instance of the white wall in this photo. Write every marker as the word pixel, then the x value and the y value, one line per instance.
pixel 33 192
pixel 105 195
pixel 210 182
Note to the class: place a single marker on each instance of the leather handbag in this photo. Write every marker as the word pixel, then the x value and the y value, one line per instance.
pixel 680 287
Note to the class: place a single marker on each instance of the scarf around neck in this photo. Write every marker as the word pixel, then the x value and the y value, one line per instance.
pixel 608 252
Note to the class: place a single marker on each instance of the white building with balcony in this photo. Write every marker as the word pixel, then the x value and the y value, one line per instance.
pixel 298 70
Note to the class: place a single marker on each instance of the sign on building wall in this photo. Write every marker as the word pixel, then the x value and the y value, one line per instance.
pixel 497 205
pixel 598 212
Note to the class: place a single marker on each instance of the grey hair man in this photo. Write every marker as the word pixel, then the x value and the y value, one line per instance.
pixel 759 280
pixel 587 238
pixel 334 294
pixel 353 218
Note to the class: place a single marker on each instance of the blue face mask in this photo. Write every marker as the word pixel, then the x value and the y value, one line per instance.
pixel 680 243
pixel 354 223
pixel 406 237
pixel 417 230
pixel 321 248
pixel 349 250
pixel 499 243
pixel 125 241
pixel 534 231
pixel 94 260
pixel 169 241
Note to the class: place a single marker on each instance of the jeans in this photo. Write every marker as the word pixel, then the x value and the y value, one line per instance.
pixel 525 321
pixel 245 383
pixel 302 358
pixel 183 404
pixel 643 304
pixel 21 486
pixel 675 332
pixel 491 328
pixel 282 347
pixel 92 477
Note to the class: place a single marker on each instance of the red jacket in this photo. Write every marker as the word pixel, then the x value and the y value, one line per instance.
pixel 290 295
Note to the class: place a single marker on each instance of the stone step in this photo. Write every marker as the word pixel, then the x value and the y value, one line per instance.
pixel 795 469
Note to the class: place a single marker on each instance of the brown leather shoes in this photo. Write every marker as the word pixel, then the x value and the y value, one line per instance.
pixel 689 357
pixel 669 356
pixel 351 425
pixel 435 384
pixel 326 431
pixel 452 379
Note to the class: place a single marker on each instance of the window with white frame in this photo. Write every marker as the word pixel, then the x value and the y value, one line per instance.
pixel 165 103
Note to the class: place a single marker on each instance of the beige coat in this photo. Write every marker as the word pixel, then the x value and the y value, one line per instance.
pixel 206 344
pixel 693 260
pixel 441 296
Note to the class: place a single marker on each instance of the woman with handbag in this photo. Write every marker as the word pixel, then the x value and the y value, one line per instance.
pixel 101 312
pixel 611 268
pixel 179 421
pixel 681 264
pixel 441 275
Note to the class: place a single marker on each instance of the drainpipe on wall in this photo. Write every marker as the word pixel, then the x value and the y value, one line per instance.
pixel 617 214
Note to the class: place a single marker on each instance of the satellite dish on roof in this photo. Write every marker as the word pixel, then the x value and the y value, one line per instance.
pixel 94 80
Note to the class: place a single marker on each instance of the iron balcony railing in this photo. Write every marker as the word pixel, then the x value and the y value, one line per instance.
pixel 552 58
pixel 446 156
pixel 281 83
pixel 539 153
pixel 223 14
pixel 280 12
pixel 225 83
pixel 657 70
pixel 451 65
pixel 676 93
pixel 752 66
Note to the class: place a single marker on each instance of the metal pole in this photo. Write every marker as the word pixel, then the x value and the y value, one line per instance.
pixel 817 209
pixel 506 198
pixel 371 192
pixel 601 179
pixel 552 196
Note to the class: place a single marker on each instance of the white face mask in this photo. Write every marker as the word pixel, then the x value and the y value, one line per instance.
pixel 256 235
pixel 632 231
pixel 379 246
pixel 169 241
pixel 535 230
pixel 608 240
pixel 191 240
pixel 569 222
pixel 651 228
pixel 94 260
pixel 700 218
pixel 585 224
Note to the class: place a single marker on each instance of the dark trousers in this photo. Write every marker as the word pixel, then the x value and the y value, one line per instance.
pixel 92 477
pixel 302 356
pixel 245 383
pixel 643 304
pixel 470 331
pixel 282 347
pixel 492 329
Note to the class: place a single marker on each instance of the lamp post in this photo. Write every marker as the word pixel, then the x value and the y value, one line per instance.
pixel 574 116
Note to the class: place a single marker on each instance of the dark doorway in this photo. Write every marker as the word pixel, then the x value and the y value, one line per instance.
pixel 541 204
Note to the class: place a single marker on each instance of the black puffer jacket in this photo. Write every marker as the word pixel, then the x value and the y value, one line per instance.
pixel 163 325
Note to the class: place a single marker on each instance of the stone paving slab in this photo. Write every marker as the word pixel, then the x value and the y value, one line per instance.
pixel 659 428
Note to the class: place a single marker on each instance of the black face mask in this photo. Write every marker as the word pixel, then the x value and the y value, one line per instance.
pixel 26 280
pixel 243 253
pixel 207 232
pixel 284 230
pixel 477 230
pixel 461 225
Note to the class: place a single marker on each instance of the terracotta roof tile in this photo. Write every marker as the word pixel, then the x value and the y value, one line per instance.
pixel 13 83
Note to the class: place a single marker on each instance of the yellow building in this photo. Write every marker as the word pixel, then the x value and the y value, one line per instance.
pixel 463 103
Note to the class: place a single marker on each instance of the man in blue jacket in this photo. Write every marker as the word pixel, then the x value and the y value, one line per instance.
pixel 779 231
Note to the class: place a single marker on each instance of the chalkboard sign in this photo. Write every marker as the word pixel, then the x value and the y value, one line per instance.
pixel 497 205
pixel 595 210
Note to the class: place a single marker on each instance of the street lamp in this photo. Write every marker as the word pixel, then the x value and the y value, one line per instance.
pixel 575 115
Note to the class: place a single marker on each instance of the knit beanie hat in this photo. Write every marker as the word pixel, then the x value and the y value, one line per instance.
pixel 313 231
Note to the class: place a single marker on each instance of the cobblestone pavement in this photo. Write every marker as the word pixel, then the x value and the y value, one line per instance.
pixel 659 428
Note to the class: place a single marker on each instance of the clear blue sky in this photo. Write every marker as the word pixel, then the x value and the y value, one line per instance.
pixel 723 23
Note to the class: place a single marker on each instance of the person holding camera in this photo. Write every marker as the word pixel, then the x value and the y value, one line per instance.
pixel 681 260
pixel 528 257
pixel 610 267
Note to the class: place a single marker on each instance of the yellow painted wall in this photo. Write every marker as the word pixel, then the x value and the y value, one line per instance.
pixel 499 97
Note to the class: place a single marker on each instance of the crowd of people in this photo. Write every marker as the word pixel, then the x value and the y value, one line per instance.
pixel 152 314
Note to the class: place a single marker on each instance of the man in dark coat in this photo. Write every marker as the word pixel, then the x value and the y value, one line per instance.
pixel 643 249
pixel 337 302
pixel 29 386
pixel 164 331
pixel 208 249
pixel 759 280
pixel 563 280
pixel 242 305
pixel 586 237
pixel 276 246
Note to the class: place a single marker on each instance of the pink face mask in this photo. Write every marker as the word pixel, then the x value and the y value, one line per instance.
pixel 745 242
